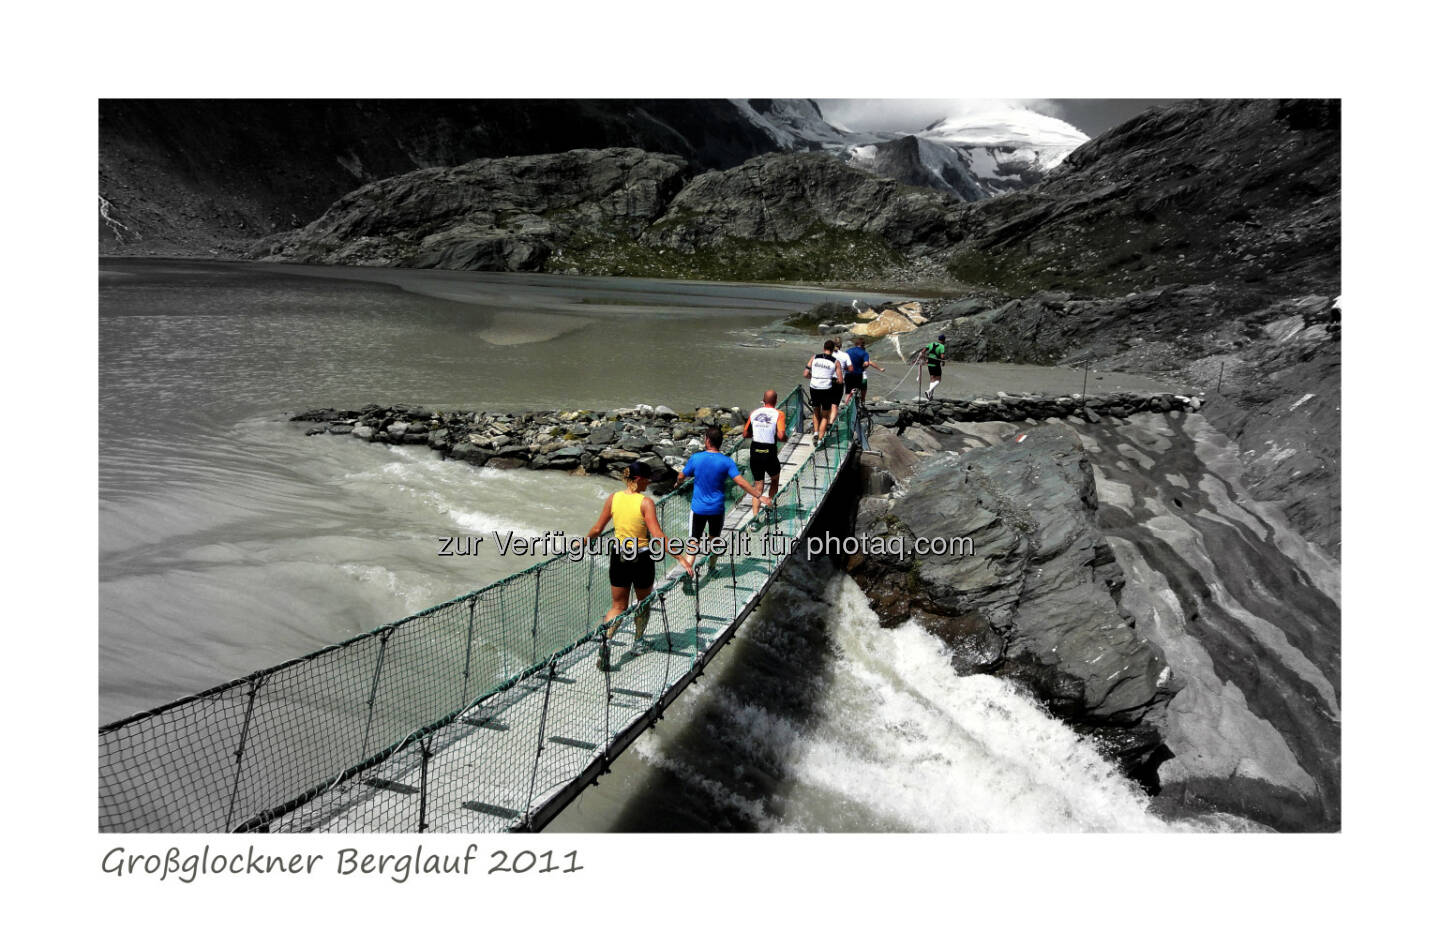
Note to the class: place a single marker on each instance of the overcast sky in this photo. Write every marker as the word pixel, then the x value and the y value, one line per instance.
pixel 1090 116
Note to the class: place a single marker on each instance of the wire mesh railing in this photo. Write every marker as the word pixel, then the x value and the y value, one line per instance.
pixel 390 723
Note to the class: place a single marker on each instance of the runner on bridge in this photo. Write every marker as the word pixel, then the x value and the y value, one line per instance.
pixel 823 371
pixel 855 378
pixel 632 562
pixel 710 468
pixel 766 429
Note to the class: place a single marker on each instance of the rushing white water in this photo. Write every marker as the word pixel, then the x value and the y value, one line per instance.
pixel 819 719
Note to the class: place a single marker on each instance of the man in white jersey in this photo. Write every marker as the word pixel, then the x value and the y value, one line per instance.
pixel 822 370
pixel 766 430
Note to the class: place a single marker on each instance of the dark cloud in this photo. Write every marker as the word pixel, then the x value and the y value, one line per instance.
pixel 1091 116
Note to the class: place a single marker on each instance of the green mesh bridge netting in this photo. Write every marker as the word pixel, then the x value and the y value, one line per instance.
pixel 487 713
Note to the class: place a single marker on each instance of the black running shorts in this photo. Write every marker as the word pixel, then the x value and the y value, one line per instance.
pixel 821 399
pixel 934 371
pixel 637 571
pixel 710 524
pixel 854 382
pixel 764 461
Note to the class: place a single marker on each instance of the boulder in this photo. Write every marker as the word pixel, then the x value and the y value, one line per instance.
pixel 1041 580
pixel 887 323
pixel 469 453
pixel 963 308
pixel 911 310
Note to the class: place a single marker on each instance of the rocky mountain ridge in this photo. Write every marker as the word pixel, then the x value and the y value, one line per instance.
pixel 777 216
pixel 209 177
pixel 510 214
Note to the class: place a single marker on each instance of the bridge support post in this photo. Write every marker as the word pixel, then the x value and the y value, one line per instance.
pixel 734 590
pixel 540 745
pixel 374 688
pixel 535 618
pixel 425 755
pixel 469 647
pixel 605 668
pixel 240 750
pixel 696 658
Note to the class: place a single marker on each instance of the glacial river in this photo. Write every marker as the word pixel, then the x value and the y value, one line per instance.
pixel 229 541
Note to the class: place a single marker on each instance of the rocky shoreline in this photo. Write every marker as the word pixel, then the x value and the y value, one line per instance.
pixel 1028 406
pixel 587 442
pixel 581 441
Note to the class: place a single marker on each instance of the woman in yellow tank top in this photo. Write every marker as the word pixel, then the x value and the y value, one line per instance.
pixel 633 567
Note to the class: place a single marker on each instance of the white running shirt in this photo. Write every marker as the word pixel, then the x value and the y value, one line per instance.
pixel 763 421
pixel 822 371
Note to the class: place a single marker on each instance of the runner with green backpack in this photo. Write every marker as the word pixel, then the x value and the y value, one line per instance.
pixel 934 361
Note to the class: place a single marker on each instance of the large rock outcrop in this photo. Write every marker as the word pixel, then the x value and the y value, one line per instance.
pixel 1244 609
pixel 1038 600
pixel 1247 612
pixel 781 198
pixel 490 214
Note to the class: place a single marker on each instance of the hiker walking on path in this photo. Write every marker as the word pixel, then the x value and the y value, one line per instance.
pixel 934 355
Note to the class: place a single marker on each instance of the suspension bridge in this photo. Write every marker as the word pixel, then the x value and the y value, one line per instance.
pixel 490 712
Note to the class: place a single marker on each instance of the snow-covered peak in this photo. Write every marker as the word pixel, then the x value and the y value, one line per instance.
pixel 1005 126
pixel 972 156
pixel 1011 128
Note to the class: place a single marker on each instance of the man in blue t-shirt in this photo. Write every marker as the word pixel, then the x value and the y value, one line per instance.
pixel 710 468
pixel 859 362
